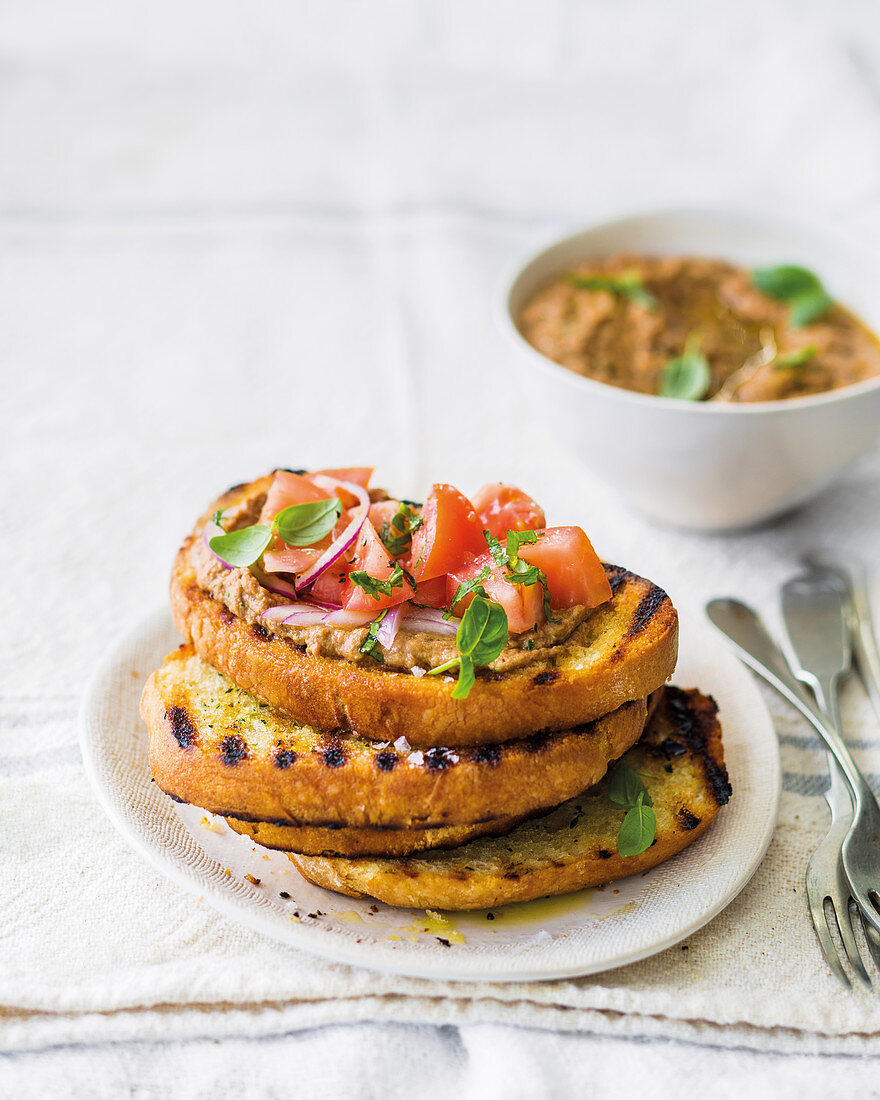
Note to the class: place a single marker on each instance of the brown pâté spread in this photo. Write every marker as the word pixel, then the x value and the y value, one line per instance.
pixel 242 594
pixel 754 351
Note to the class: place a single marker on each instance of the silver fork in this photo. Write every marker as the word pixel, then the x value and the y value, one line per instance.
pixel 849 571
pixel 753 644
pixel 815 617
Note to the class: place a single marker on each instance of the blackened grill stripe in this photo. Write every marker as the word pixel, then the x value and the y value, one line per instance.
pixel 647 609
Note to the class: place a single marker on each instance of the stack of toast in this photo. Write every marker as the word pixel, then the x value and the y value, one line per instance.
pixel 378 782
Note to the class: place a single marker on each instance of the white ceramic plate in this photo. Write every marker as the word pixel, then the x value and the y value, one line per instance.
pixel 579 933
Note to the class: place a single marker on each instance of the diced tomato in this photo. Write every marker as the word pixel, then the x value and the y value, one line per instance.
pixel 360 475
pixel 432 593
pixel 372 557
pixel 524 603
pixel 382 512
pixel 575 575
pixel 288 489
pixel 330 586
pixel 504 508
pixel 292 559
pixel 450 530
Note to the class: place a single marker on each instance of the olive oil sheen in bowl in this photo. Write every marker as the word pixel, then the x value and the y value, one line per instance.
pixel 703 464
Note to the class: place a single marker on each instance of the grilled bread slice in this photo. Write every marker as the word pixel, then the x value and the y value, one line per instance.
pixel 216 746
pixel 623 650
pixel 367 842
pixel 681 760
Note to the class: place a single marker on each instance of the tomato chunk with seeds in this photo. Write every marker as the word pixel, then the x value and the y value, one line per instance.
pixel 450 531
pixel 504 508
pixel 290 559
pixel 330 586
pixel 575 575
pixel 432 593
pixel 286 490
pixel 523 603
pixel 371 557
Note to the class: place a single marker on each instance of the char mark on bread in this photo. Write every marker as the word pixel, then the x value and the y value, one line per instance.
pixel 386 761
pixel 181 727
pixel 233 750
pixel 548 676
pixel 284 758
pixel 648 606
pixel 439 759
pixel 695 723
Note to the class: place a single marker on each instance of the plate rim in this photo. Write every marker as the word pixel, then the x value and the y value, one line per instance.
pixel 317 940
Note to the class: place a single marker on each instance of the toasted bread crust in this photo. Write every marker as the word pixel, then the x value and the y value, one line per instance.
pixel 366 842
pixel 215 745
pixel 623 651
pixel 573 847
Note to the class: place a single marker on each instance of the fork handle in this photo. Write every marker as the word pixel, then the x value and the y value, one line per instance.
pixel 826 692
pixel 854 576
pixel 758 650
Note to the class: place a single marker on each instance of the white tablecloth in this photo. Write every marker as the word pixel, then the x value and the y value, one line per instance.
pixel 233 237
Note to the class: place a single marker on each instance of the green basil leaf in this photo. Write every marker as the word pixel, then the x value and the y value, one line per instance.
pixel 627 285
pixel 217 517
pixel 687 376
pixel 786 281
pixel 243 547
pixel 480 638
pixel 531 574
pixel 368 645
pixel 797 358
pixel 637 830
pixel 516 539
pixel 625 786
pixel 305 524
pixel 475 585
pixel 376 588
pixel 397 534
pixel 466 678
pixel 493 637
pixel 806 308
pixel 498 555
pixel 472 625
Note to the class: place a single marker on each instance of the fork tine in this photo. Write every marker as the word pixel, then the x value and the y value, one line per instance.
pixel 844 926
pixel 820 923
pixel 872 940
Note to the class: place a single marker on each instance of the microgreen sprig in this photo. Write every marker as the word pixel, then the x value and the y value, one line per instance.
pixel 793 360
pixel 628 284
pixel 397 533
pixel 376 588
pixel 480 638
pixel 639 827
pixel 368 645
pixel 299 525
pixel 686 376
pixel 800 288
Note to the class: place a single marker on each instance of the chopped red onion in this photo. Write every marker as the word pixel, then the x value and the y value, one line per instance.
pixel 211 531
pixel 390 625
pixel 327 605
pixel 349 618
pixel 274 584
pixel 430 620
pixel 339 546
pixel 295 614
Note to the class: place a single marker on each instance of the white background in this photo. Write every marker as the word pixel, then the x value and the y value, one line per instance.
pixel 240 235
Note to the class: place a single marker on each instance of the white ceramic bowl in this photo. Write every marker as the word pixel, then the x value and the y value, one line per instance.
pixel 705 466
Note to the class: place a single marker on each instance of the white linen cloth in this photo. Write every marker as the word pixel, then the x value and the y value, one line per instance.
pixel 223 251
